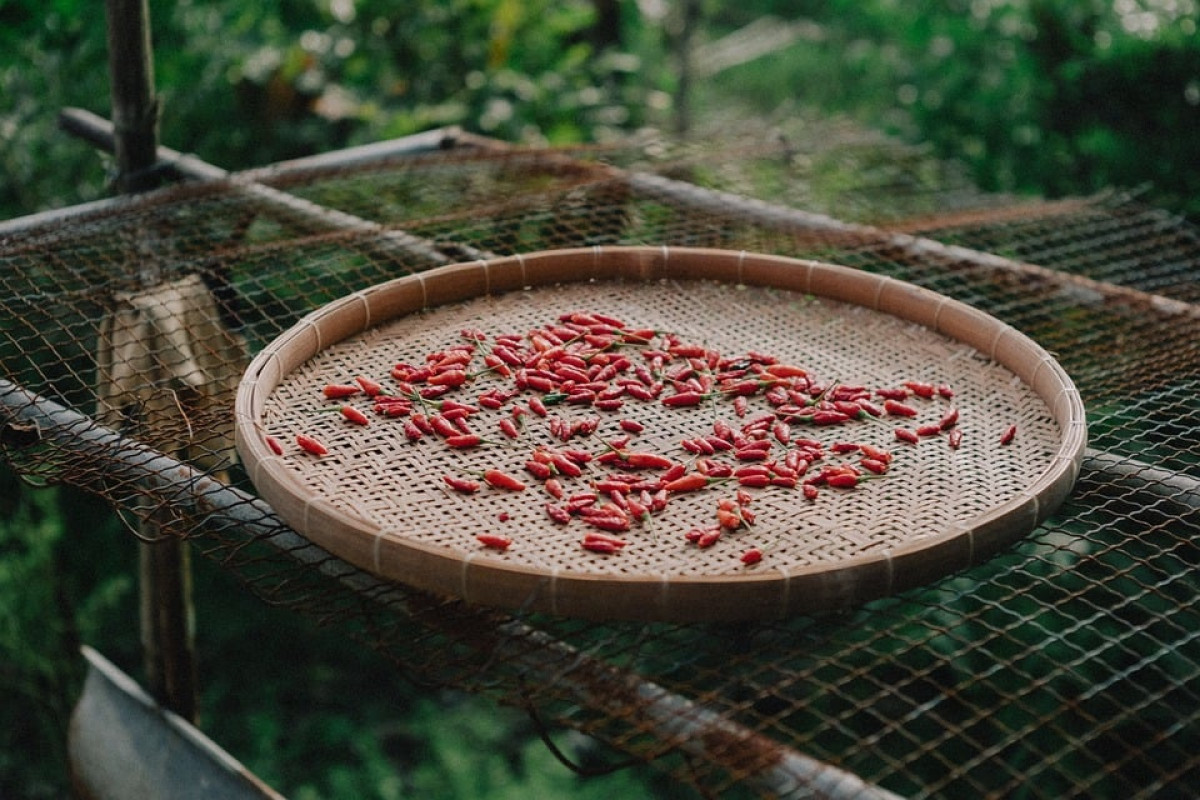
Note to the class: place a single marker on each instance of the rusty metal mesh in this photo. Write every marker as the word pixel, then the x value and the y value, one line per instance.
pixel 1067 666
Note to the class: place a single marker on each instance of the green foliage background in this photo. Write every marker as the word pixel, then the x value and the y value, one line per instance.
pixel 1042 96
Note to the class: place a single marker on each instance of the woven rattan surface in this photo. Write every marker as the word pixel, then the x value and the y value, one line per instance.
pixel 1067 665
pixel 379 500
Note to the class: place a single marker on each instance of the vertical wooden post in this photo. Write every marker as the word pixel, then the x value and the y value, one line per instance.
pixel 167 616
pixel 688 20
pixel 134 105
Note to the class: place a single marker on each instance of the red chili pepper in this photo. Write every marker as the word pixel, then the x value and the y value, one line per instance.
pixel 1009 434
pixel 464 485
pixel 874 465
pixel 274 444
pixel 648 461
pixel 811 491
pixel 502 480
pixel 538 469
pixel 596 536
pixel 354 415
pixel 754 481
pixel 494 541
pixel 557 513
pixel 752 556
pixel 898 409
pixel 443 426
pixel 955 438
pixel 537 406
pixel 945 391
pixel 608 521
pixel 842 480
pixel 451 377
pixel 674 473
pixel 949 419
pixel 311 445
pixel 709 537
pixel 892 394
pixel 728 519
pixel 785 371
pixel 340 390
pixel 509 428
pixel 600 546
pixel 565 465
pixel 688 483
pixel 905 435
pixel 631 426
pixel 870 451
pixel 683 399
pixel 932 429
pixel 412 432
pixel 370 387
pixel 463 441
pixel 920 389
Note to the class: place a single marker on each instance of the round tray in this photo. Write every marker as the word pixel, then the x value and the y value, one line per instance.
pixel 379 501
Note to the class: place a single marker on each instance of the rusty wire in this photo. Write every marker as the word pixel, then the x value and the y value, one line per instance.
pixel 1067 666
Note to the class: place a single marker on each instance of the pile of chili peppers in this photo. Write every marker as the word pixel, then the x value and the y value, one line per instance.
pixel 594 475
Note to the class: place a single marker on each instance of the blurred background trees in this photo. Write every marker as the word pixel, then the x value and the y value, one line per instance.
pixel 1046 97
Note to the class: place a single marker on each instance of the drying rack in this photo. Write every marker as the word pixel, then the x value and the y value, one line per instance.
pixel 1066 665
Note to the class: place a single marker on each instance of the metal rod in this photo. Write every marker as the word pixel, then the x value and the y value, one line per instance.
pixel 728 204
pixel 1138 476
pixel 293 210
pixel 766 764
pixel 760 212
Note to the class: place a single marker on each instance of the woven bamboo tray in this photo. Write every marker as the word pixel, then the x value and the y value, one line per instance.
pixel 379 500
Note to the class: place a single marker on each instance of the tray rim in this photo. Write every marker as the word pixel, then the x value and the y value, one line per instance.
pixel 769 592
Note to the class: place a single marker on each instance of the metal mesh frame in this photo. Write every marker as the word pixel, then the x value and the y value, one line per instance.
pixel 1066 666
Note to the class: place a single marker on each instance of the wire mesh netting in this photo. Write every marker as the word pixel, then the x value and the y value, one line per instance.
pixel 1066 666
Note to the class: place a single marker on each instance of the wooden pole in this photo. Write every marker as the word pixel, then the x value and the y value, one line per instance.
pixel 134 105
pixel 165 584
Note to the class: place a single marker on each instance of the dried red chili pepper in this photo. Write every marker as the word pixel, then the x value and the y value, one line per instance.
pixel 905 435
pixel 370 387
pixel 874 465
pixel 340 390
pixel 451 377
pixel 955 438
pixel 688 483
pixel 464 485
pixel 728 519
pixel 273 444
pixel 352 414
pixel 751 556
pixel 463 441
pixel 648 461
pixel 1009 434
pixel 311 445
pixel 898 409
pixel 599 546
pixel 502 480
pixel 538 469
pixel 683 399
pixel 557 513
pixel 494 541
